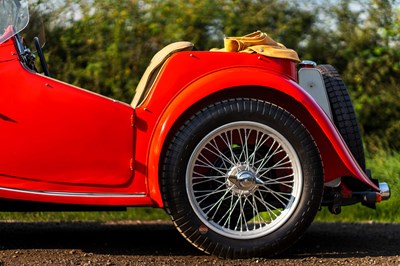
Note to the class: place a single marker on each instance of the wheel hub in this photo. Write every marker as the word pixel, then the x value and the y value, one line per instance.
pixel 242 180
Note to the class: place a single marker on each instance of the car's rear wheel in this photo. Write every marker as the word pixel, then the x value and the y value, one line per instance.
pixel 242 178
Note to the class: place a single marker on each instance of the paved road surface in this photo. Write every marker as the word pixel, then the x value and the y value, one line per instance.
pixel 158 243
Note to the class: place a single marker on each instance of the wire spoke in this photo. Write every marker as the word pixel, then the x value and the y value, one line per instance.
pixel 207 164
pixel 229 143
pixel 217 205
pixel 242 219
pixel 213 192
pixel 268 179
pixel 267 207
pixel 278 165
pixel 219 153
pixel 230 211
pixel 202 180
pixel 207 161
pixel 271 153
pixel 258 144
pixel 283 183
pixel 279 196
pixel 243 179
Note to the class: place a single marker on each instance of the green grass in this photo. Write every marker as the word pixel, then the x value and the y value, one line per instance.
pixel 384 165
pixel 139 213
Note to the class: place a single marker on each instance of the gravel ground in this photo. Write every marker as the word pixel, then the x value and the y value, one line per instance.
pixel 159 243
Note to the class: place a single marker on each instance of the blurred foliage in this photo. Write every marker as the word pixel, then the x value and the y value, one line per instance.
pixel 366 50
pixel 105 45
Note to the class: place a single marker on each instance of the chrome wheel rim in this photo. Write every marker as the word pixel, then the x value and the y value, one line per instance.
pixel 244 180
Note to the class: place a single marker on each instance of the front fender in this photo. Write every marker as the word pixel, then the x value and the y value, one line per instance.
pixel 265 85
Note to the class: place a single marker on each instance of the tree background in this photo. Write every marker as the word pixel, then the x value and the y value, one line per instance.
pixel 105 45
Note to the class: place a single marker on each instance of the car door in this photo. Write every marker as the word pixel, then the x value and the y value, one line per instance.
pixel 54 133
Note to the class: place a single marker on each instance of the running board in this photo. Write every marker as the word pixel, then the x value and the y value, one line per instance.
pixel 74 194
pixel 77 198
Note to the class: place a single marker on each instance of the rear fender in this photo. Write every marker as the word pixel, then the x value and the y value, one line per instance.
pixel 263 85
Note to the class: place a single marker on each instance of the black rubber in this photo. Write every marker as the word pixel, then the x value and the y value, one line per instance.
pixel 343 112
pixel 173 178
pixel 43 62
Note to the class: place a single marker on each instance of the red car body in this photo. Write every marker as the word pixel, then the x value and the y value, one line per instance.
pixel 77 147
pixel 67 146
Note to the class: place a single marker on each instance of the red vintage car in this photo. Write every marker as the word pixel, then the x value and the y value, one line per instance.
pixel 241 146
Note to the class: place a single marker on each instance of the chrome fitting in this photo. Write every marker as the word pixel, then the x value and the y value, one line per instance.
pixel 385 190
pixel 307 64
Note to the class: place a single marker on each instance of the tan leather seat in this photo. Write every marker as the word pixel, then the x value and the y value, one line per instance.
pixel 152 71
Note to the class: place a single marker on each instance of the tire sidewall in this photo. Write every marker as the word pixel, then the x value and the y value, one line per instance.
pixel 216 116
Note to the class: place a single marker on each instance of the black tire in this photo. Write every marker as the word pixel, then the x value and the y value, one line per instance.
pixel 343 112
pixel 242 178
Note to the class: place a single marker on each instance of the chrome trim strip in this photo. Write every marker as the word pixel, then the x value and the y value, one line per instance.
pixel 75 194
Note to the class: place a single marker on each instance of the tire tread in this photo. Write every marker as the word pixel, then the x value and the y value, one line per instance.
pixel 175 201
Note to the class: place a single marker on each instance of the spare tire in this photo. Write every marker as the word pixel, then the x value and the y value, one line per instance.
pixel 343 112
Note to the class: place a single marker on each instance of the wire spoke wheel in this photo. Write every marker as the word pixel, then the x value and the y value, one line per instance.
pixel 241 178
pixel 244 179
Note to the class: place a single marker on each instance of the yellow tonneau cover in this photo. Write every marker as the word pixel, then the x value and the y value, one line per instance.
pixel 258 42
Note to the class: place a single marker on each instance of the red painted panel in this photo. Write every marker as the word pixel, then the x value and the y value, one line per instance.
pixel 59 138
pixel 182 69
pixel 54 133
pixel 224 73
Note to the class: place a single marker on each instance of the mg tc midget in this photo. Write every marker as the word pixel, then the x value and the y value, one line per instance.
pixel 241 146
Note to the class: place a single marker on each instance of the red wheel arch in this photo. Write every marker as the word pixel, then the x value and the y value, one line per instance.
pixel 263 85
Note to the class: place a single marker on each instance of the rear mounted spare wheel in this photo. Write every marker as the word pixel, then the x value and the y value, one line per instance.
pixel 343 112
pixel 242 178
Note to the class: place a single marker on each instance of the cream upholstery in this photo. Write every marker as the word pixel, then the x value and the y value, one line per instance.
pixel 151 73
